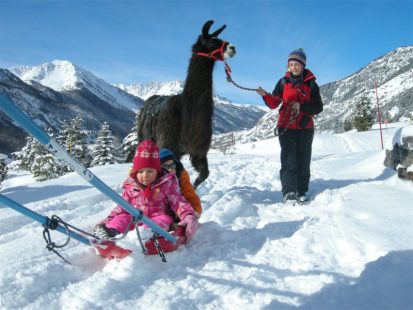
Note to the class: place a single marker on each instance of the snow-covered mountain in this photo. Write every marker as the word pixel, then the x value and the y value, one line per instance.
pixel 64 76
pixel 145 91
pixel 228 116
pixel 393 74
pixel 50 103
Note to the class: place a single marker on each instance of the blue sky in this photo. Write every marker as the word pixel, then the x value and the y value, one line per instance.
pixel 124 41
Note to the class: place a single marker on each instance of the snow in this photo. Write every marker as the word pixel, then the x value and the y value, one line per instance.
pixel 400 136
pixel 350 247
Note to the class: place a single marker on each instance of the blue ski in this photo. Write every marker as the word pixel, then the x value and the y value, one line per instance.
pixel 41 219
pixel 107 249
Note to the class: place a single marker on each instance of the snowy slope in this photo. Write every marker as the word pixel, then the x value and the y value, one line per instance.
pixel 351 247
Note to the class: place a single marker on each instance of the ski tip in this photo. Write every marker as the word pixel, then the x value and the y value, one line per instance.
pixel 110 250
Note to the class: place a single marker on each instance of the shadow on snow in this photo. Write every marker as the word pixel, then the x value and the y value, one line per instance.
pixel 384 284
pixel 26 194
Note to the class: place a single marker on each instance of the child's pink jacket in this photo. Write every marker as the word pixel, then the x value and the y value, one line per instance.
pixel 166 202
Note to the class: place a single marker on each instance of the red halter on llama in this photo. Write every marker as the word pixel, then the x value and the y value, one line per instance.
pixel 183 123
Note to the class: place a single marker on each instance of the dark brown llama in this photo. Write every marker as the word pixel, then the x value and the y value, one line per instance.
pixel 183 123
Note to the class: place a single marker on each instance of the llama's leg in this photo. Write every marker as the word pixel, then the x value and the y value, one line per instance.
pixel 200 165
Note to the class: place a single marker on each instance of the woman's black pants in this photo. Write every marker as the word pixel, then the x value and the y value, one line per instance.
pixel 295 159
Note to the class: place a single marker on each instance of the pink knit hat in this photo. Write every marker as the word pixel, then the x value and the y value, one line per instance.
pixel 146 156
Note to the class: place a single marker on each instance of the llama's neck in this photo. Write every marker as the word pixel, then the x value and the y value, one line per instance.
pixel 197 102
pixel 198 82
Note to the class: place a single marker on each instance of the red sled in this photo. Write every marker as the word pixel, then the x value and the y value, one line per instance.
pixel 165 245
pixel 110 250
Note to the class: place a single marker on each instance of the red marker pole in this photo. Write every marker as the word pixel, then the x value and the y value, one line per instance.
pixel 379 114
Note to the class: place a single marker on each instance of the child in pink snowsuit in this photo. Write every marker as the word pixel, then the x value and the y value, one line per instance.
pixel 153 191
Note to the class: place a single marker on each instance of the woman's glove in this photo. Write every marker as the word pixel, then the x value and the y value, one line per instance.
pixel 191 224
pixel 295 106
pixel 261 92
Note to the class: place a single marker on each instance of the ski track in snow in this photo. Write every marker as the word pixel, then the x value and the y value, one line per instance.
pixel 350 247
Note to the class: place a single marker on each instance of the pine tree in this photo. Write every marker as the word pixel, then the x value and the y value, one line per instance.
pixel 62 138
pixel 74 140
pixel 106 149
pixel 347 124
pixel 79 149
pixel 63 133
pixel 386 116
pixel 28 153
pixel 130 142
pixel 364 114
pixel 46 166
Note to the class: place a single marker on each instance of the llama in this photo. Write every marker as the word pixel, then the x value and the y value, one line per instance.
pixel 183 122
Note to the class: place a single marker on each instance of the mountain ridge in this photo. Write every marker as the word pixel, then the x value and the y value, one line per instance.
pixel 40 91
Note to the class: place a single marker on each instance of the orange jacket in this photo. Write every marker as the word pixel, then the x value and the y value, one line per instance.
pixel 189 192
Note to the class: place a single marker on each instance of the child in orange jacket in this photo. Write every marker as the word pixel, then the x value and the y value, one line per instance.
pixel 170 163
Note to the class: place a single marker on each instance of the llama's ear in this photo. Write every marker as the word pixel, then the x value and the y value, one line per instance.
pixel 205 28
pixel 217 32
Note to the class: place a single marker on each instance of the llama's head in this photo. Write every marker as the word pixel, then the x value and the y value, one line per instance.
pixel 209 45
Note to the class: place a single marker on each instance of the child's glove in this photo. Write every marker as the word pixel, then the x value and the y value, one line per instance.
pixel 191 224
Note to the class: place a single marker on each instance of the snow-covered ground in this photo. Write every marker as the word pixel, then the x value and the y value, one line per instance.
pixel 351 247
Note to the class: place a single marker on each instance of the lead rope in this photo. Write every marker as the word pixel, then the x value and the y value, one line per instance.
pixel 228 72
pixel 293 114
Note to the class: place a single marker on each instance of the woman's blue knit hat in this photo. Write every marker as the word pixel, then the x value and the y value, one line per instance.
pixel 165 154
pixel 298 55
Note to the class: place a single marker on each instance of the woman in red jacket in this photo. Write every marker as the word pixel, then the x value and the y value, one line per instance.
pixel 299 97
